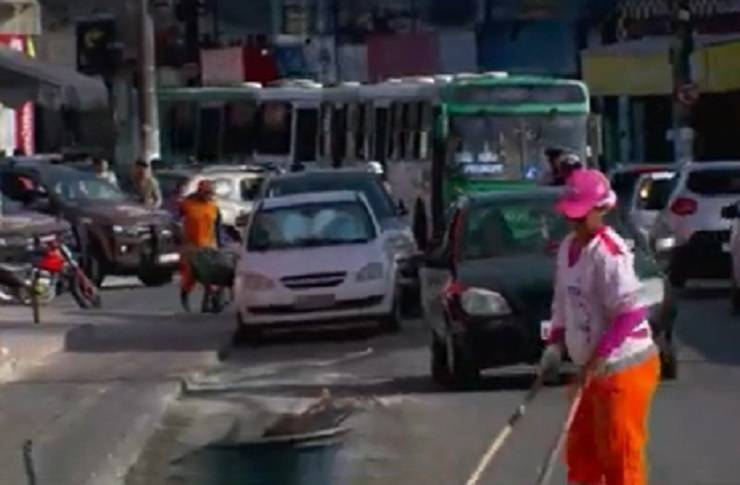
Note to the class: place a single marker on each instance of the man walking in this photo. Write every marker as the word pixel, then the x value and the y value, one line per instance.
pixel 103 171
pixel 146 186
pixel 201 229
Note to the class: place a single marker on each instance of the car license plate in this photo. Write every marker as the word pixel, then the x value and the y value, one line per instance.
pixel 726 247
pixel 168 258
pixel 545 329
pixel 314 302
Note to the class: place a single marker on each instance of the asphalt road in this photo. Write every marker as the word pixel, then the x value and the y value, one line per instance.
pixel 412 432
pixel 90 407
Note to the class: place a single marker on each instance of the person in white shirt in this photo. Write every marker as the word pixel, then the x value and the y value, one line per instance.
pixel 598 316
pixel 103 171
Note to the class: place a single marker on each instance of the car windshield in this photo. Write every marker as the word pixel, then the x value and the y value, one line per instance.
pixel 171 185
pixel 311 225
pixel 509 227
pixel 715 182
pixel 506 147
pixel 370 186
pixel 504 228
pixel 72 186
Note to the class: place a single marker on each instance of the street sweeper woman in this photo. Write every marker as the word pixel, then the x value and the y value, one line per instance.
pixel 599 319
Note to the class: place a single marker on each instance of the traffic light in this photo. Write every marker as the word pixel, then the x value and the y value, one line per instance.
pixel 96 46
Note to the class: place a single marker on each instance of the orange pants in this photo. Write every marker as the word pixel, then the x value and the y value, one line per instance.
pixel 606 443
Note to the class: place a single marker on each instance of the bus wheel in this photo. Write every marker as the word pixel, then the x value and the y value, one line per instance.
pixel 420 224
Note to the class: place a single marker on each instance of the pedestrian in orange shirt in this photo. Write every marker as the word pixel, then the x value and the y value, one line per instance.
pixel 201 229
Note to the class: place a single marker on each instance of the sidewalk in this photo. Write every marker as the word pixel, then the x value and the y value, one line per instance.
pixel 106 379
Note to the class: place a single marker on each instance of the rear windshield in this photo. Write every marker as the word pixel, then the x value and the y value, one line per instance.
pixel 371 187
pixel 624 184
pixel 715 182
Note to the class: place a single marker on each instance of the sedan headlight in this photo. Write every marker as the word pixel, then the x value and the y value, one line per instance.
pixel 400 245
pixel 257 282
pixel 666 243
pixel 370 272
pixel 478 302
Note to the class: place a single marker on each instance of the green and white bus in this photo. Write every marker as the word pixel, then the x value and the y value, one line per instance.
pixel 491 132
pixel 436 137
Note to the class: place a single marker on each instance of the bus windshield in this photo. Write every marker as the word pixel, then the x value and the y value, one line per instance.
pixel 511 147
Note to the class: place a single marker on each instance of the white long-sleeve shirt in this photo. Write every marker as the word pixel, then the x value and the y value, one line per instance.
pixel 592 291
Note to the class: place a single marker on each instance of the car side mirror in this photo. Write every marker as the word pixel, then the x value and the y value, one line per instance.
pixel 730 212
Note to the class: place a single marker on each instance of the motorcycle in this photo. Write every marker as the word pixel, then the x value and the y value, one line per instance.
pixel 55 271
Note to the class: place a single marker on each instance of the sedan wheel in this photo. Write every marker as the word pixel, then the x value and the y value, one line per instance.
pixel 245 335
pixel 394 321
pixel 440 369
pixel 464 374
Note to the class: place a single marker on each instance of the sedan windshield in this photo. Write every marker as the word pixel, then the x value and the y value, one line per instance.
pixel 76 186
pixel 311 225
pixel 511 227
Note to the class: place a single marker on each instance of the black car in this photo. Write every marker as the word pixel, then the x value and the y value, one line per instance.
pixel 488 285
pixel 392 219
pixel 116 236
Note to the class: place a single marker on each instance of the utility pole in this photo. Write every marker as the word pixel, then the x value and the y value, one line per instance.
pixel 149 112
pixel 684 90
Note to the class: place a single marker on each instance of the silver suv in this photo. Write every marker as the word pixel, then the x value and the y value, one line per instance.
pixel 691 232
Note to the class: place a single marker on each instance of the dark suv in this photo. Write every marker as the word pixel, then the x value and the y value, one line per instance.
pixel 116 236
pixel 22 233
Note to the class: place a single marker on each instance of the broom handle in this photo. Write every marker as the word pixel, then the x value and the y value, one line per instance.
pixel 549 467
pixel 503 435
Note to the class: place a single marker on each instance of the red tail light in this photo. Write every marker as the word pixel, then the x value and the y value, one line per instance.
pixel 684 206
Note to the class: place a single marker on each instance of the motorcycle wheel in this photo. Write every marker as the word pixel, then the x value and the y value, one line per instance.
pixel 84 292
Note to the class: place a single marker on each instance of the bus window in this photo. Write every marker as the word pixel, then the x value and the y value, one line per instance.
pixel 339 135
pixel 209 133
pixel 361 131
pixel 403 129
pixel 381 134
pixel 425 123
pixel 396 129
pixel 352 122
pixel 275 126
pixel 413 130
pixel 182 128
pixel 306 135
pixel 325 132
pixel 239 126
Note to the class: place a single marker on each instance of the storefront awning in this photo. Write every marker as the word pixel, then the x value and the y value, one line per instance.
pixel 643 67
pixel 25 79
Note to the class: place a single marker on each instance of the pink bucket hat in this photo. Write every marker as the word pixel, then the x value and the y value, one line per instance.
pixel 585 190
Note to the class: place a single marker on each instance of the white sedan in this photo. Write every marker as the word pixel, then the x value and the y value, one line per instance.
pixel 315 259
